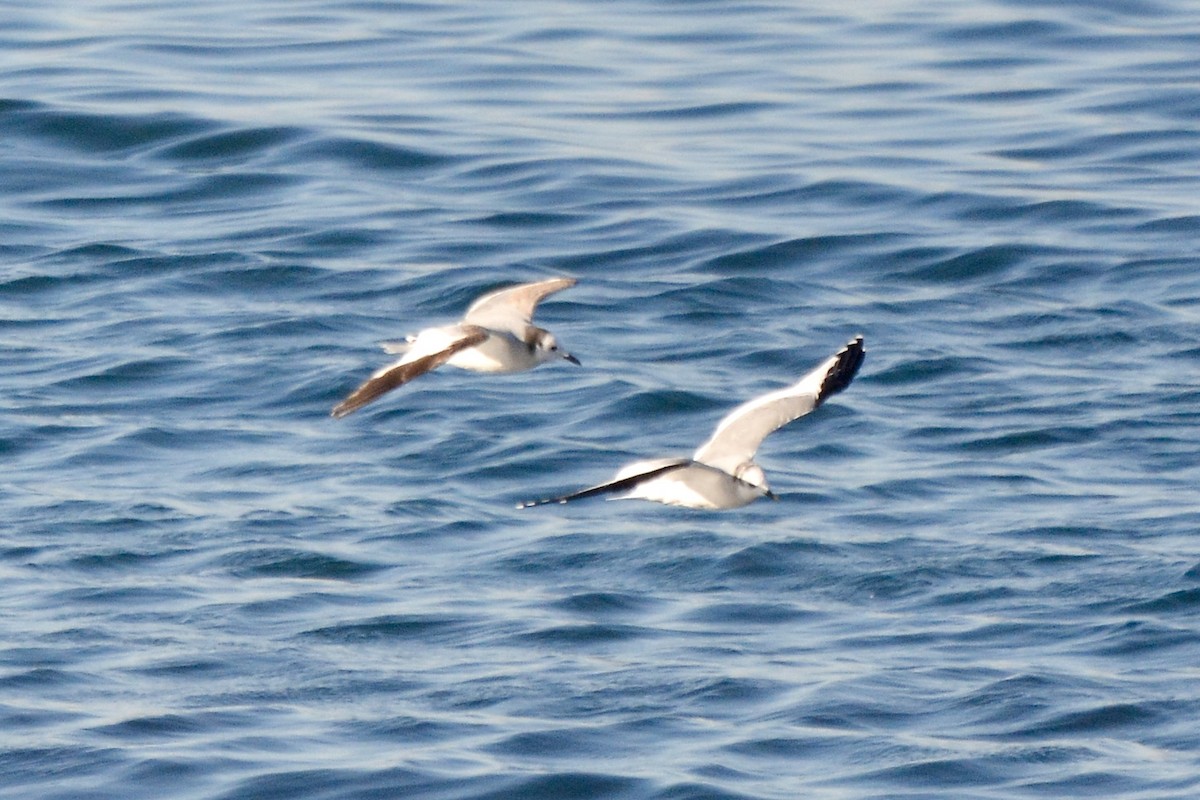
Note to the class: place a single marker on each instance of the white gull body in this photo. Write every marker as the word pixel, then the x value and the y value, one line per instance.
pixel 722 473
pixel 497 334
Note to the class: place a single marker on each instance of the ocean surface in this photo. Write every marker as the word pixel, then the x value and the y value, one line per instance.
pixel 981 579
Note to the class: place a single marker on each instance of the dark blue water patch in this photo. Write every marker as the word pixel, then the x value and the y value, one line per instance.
pixel 530 219
pixel 514 175
pixel 333 784
pixel 1184 224
pixel 1105 12
pixel 1039 152
pixel 38 679
pixel 1091 783
pixel 605 605
pixel 209 192
pixel 291 563
pixel 434 521
pixel 1077 338
pixel 232 146
pixel 39 286
pixel 1178 106
pixel 788 748
pixel 21 554
pixel 165 726
pixel 568 786
pixel 185 669
pixel 1007 32
pixel 938 774
pixel 1149 145
pixel 122 560
pixel 166 775
pixel 16 719
pixel 72 641
pixel 1064 532
pixel 1054 212
pixel 1014 96
pixel 671 404
pixel 411 729
pixel 991 64
pixel 562 743
pixel 12 105
pixel 121 272
pixel 699 111
pixel 1143 637
pixel 742 616
pixel 123 377
pixel 296 604
pixel 1025 441
pixel 348 784
pixel 154 599
pixel 725 694
pixel 95 134
pixel 1182 602
pixel 928 371
pixel 140 265
pixel 374 156
pixel 397 628
pixel 667 253
pixel 780 255
pixel 339 240
pixel 67 767
pixel 749 295
pixel 1102 719
pixel 774 559
pixel 983 264
pixel 772 194
pixel 689 790
pixel 986 596
pixel 218 276
pixel 582 635
pixel 1011 700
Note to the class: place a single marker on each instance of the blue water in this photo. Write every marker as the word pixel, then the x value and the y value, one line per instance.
pixel 982 579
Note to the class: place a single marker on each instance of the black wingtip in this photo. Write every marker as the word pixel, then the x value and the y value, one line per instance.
pixel 550 501
pixel 849 359
pixel 611 487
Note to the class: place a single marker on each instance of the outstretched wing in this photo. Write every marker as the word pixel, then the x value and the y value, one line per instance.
pixel 512 308
pixel 628 478
pixel 416 362
pixel 738 436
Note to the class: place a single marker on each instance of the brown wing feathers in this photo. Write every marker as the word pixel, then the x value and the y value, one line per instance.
pixel 381 384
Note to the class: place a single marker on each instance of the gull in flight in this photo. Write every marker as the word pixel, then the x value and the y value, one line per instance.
pixel 722 472
pixel 497 334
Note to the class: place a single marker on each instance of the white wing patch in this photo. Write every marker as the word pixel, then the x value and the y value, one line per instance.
pixel 739 435
pixel 512 309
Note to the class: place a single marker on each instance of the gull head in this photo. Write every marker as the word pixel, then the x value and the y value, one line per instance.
pixel 752 474
pixel 546 348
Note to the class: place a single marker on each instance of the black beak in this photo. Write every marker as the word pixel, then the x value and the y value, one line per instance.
pixel 572 359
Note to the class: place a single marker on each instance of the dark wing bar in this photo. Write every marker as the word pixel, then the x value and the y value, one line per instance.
pixel 612 486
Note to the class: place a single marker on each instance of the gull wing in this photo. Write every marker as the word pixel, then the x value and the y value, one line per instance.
pixel 512 308
pixel 739 434
pixel 627 478
pixel 415 363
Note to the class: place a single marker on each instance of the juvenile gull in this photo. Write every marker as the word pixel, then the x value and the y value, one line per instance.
pixel 722 472
pixel 497 334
